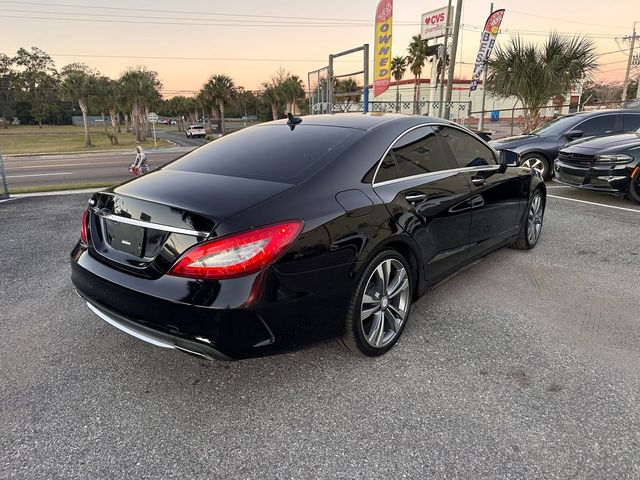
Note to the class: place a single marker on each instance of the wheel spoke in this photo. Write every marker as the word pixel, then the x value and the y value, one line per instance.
pixel 391 319
pixel 366 312
pixel 398 283
pixel 376 326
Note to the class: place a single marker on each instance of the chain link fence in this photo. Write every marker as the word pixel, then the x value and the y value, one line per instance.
pixel 318 91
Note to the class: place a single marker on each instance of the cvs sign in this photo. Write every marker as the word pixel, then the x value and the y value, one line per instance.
pixel 434 23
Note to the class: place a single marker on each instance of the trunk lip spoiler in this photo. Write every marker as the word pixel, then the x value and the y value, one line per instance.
pixel 145 224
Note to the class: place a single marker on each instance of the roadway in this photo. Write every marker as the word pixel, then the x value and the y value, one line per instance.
pixel 87 168
pixel 107 168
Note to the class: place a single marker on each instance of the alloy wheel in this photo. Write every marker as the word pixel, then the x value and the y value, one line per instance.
pixel 535 219
pixel 534 163
pixel 385 303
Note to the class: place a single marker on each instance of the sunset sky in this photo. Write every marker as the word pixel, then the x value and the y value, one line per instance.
pixel 249 40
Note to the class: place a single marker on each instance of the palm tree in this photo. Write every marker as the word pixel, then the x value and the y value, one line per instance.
pixel 218 90
pixel 273 96
pixel 398 67
pixel 536 74
pixel 141 87
pixel 348 90
pixel 292 90
pixel 416 59
pixel 79 82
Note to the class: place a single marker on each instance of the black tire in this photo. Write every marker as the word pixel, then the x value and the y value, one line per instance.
pixel 634 189
pixel 534 158
pixel 525 241
pixel 354 338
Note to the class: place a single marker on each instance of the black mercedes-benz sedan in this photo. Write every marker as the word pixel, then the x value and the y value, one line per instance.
pixel 299 230
pixel 539 149
pixel 608 164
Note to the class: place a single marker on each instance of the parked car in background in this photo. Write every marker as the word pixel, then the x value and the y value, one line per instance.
pixel 296 231
pixel 539 149
pixel 606 164
pixel 195 131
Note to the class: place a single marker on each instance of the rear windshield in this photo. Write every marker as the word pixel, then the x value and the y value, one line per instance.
pixel 273 152
pixel 196 126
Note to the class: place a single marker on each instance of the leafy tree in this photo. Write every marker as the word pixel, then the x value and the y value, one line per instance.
pixel 79 82
pixel 535 74
pixel 398 67
pixel 292 90
pixel 348 89
pixel 141 88
pixel 218 91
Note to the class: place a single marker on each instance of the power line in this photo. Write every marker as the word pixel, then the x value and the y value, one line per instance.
pixel 563 19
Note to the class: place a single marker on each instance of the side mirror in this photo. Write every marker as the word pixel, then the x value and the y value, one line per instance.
pixel 573 134
pixel 509 158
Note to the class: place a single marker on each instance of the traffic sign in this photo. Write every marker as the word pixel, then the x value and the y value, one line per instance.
pixel 153 117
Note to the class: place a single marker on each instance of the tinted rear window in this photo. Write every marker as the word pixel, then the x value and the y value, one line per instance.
pixel 273 152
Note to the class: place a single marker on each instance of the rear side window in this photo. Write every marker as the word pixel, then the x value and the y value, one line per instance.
pixel 630 122
pixel 273 152
pixel 387 169
pixel 467 151
pixel 419 151
pixel 601 125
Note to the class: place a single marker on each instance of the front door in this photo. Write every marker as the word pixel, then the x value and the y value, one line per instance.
pixel 497 194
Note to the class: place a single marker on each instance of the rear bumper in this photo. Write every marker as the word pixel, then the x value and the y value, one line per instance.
pixel 155 336
pixel 252 316
pixel 596 178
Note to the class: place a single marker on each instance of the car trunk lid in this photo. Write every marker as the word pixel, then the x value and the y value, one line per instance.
pixel 144 225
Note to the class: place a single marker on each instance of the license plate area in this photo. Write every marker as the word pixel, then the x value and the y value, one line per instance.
pixel 124 237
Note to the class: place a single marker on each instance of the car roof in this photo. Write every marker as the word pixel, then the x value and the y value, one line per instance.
pixel 360 121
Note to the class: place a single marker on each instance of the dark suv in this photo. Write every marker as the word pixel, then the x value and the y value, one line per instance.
pixel 539 149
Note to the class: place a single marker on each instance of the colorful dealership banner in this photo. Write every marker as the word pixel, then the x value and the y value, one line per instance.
pixel 487 40
pixel 382 56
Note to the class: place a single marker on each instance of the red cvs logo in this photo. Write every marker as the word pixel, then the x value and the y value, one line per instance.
pixel 434 18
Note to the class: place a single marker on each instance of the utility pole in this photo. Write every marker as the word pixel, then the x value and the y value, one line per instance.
pixel 484 88
pixel 443 68
pixel 452 64
pixel 626 75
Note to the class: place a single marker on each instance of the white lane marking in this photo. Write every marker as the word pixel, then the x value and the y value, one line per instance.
pixel 53 165
pixel 594 203
pixel 40 175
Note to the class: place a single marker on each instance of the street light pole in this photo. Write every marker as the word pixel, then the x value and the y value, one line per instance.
pixel 626 75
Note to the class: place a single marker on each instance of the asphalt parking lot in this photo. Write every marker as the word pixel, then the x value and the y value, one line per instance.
pixel 525 365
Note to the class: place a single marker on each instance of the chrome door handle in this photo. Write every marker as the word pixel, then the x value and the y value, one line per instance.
pixel 478 180
pixel 413 197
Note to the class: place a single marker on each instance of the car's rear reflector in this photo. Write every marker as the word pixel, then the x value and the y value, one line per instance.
pixel 83 227
pixel 238 254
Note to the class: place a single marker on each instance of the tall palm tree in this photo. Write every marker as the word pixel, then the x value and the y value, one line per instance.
pixel 416 59
pixel 79 82
pixel 398 67
pixel 141 87
pixel 535 74
pixel 292 90
pixel 219 90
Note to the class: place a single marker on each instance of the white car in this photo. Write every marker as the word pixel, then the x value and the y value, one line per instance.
pixel 194 131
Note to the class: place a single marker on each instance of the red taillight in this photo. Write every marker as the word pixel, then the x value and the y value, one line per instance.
pixel 83 227
pixel 237 255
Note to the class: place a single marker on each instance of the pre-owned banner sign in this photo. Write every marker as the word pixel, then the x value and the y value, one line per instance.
pixel 487 40
pixel 382 57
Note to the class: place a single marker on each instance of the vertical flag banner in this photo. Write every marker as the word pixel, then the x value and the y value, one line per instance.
pixel 487 40
pixel 382 57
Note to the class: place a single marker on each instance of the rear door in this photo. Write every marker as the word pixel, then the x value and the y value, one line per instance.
pixel 497 194
pixel 428 198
